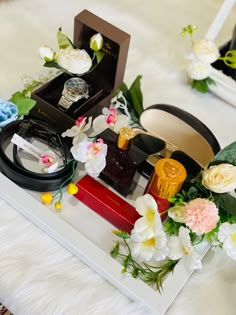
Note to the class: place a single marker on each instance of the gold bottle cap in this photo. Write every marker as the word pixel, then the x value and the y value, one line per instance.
pixel 124 137
pixel 171 176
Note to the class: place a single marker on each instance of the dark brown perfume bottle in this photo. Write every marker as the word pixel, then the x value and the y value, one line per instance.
pixel 122 160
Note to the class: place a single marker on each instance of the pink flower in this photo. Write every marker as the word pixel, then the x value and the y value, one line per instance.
pixel 201 215
pixel 112 116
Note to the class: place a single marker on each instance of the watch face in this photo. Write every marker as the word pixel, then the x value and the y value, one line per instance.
pixel 76 88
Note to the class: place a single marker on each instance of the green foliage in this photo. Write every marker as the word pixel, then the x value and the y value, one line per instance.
pixel 226 203
pixel 226 155
pixel 202 86
pixel 136 95
pixel 189 29
pixel 115 250
pixel 22 98
pixel 134 98
pixel 99 55
pixel 121 234
pixel 153 275
pixel 63 40
pixel 24 104
pixel 171 227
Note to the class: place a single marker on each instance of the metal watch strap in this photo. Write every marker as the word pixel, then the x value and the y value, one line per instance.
pixel 65 103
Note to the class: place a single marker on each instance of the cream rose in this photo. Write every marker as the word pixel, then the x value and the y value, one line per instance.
pixel 220 178
pixel 176 213
pixel 198 70
pixel 76 61
pixel 206 51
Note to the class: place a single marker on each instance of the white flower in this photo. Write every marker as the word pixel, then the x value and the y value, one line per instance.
pixel 181 247
pixel 148 240
pixel 48 162
pixel 111 119
pixel 176 213
pixel 220 178
pixel 46 53
pixel 205 51
pixel 150 222
pixel 93 154
pixel 96 42
pixel 198 70
pixel 78 131
pixel 227 236
pixel 76 61
pixel 152 248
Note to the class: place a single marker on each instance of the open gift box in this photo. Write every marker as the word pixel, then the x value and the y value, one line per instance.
pixel 102 81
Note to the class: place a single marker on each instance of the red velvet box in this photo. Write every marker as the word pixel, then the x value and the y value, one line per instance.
pixel 106 203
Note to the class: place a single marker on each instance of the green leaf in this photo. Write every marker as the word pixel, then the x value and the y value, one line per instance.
pixel 125 91
pixel 121 234
pixel 202 86
pixel 99 56
pixel 63 40
pixel 136 95
pixel 24 104
pixel 226 203
pixel 192 193
pixel 115 250
pixel 171 227
pixel 226 155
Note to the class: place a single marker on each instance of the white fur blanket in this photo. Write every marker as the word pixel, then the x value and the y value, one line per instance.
pixel 37 275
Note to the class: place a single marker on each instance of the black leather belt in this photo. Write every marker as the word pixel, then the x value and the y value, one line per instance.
pixel 12 166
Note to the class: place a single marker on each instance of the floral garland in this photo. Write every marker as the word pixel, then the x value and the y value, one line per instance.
pixel 202 54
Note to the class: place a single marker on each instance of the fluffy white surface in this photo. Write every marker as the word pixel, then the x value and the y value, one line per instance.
pixel 37 275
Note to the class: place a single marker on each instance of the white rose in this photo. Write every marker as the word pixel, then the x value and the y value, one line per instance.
pixel 198 70
pixel 96 42
pixel 46 53
pixel 220 178
pixel 76 61
pixel 176 213
pixel 206 51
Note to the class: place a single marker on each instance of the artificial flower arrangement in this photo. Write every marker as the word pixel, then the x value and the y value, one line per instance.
pixel 20 102
pixel 201 56
pixel 70 58
pixel 203 211
pixel 91 151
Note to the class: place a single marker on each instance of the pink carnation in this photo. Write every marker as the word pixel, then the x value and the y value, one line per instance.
pixel 201 215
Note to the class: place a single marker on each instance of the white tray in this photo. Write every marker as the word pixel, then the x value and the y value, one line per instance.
pixel 71 229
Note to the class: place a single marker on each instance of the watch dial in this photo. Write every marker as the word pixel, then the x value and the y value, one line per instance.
pixel 76 87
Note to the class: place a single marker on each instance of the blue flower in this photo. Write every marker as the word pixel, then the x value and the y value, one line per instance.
pixel 8 112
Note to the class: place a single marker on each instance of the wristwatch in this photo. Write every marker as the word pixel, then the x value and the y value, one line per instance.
pixel 74 90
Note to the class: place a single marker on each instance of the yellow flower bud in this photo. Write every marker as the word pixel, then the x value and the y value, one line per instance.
pixel 57 206
pixel 72 189
pixel 46 198
pixel 96 42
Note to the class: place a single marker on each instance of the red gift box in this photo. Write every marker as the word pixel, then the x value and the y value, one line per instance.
pixel 106 203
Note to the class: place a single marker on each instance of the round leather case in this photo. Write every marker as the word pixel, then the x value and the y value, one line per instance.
pixel 181 131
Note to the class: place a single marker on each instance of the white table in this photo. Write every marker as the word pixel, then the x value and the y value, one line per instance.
pixel 37 275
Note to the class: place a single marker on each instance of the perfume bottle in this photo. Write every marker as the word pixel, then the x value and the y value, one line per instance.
pixel 166 181
pixel 122 160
